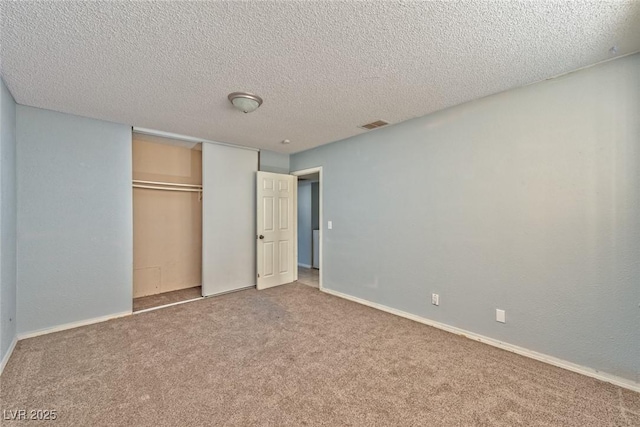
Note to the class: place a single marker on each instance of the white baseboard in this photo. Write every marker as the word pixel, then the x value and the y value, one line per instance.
pixel 603 376
pixel 86 322
pixel 146 310
pixel 72 325
pixel 6 357
pixel 230 291
pixel 304 265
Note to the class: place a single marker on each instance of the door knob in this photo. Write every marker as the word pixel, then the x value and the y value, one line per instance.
pixel 261 237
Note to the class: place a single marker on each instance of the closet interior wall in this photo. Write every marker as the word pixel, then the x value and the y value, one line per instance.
pixel 167 225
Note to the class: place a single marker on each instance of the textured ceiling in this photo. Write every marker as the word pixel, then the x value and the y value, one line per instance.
pixel 323 68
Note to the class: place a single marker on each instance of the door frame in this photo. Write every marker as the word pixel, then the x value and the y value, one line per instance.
pixel 303 172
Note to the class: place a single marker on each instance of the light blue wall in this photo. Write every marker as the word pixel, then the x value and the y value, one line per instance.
pixel 304 223
pixel 270 161
pixel 526 201
pixel 7 220
pixel 75 235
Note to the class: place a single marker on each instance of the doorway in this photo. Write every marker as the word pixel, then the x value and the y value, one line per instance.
pixel 167 221
pixel 309 226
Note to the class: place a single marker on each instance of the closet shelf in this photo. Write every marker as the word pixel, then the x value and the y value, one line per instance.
pixel 167 186
pixel 152 184
pixel 152 187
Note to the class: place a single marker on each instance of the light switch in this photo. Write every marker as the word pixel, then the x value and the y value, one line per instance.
pixel 435 299
pixel 329 225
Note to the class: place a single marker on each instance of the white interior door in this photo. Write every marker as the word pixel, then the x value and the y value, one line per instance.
pixel 276 237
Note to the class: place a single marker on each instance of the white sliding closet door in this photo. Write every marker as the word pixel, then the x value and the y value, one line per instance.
pixel 228 218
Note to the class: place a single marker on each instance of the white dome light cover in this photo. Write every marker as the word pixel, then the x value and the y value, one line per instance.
pixel 244 101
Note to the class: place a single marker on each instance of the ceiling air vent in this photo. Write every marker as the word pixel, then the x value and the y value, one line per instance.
pixel 374 125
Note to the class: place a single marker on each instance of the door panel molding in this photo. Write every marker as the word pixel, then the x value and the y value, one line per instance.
pixel 276 232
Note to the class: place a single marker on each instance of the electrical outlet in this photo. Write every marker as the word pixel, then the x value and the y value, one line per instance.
pixel 501 316
pixel 329 225
pixel 435 299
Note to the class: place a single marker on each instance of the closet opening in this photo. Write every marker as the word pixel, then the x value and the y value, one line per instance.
pixel 308 223
pixel 167 221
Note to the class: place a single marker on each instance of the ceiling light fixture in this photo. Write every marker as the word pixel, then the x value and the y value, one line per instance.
pixel 244 101
pixel 285 141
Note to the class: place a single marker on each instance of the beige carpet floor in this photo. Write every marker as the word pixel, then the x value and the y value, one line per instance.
pixel 293 356
pixel 309 276
pixel 165 298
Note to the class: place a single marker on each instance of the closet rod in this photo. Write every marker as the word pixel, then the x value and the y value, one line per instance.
pixel 151 187
pixel 172 184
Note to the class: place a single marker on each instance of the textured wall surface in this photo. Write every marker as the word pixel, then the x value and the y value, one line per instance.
pixel 74 219
pixel 304 223
pixel 271 161
pixel 7 220
pixel 323 68
pixel 526 201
